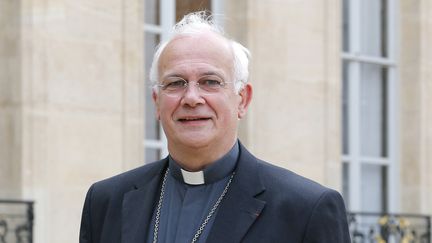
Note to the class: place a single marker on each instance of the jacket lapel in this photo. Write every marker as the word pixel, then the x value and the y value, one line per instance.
pixel 239 209
pixel 137 209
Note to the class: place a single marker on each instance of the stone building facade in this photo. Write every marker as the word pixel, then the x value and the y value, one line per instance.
pixel 74 100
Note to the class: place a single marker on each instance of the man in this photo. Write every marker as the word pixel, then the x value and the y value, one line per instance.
pixel 209 188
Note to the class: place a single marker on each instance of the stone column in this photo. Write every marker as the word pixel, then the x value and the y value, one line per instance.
pixel 73 103
pixel 416 108
pixel 10 100
pixel 294 120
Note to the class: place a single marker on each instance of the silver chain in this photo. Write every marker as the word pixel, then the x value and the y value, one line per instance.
pixel 207 219
pixel 215 206
pixel 158 210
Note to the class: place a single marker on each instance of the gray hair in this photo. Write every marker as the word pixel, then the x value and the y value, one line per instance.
pixel 197 23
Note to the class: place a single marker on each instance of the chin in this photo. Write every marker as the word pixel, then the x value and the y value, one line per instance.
pixel 194 141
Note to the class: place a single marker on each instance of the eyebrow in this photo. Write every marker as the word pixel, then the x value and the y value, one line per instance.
pixel 172 76
pixel 211 73
pixel 207 73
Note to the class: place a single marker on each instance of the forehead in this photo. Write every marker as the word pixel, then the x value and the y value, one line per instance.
pixel 196 54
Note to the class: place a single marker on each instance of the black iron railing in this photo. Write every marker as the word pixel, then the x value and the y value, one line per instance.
pixel 16 221
pixel 16 225
pixel 383 228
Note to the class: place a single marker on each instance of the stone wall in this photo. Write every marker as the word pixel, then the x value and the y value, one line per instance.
pixel 10 100
pixel 73 99
pixel 416 106
pixel 294 120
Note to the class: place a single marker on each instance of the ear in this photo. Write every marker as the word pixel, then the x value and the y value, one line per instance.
pixel 155 97
pixel 246 97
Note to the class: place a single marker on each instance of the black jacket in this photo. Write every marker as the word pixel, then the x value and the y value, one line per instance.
pixel 265 204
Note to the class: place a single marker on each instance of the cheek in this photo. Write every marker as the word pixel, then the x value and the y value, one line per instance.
pixel 227 109
pixel 166 107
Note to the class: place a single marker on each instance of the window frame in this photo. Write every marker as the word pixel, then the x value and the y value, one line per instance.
pixel 354 60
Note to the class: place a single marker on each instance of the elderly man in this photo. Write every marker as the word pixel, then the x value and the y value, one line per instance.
pixel 210 188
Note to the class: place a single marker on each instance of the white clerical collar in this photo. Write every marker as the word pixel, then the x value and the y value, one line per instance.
pixel 193 178
pixel 216 171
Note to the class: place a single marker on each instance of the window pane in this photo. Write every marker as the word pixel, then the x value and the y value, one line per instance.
pixel 373 27
pixel 151 124
pixel 373 111
pixel 374 193
pixel 184 7
pixel 345 183
pixel 152 155
pixel 151 12
pixel 345 25
pixel 345 109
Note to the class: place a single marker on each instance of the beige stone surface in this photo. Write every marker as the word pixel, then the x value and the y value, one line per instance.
pixel 71 103
pixel 10 113
pixel 10 166
pixel 295 72
pixel 70 150
pixel 426 106
pixel 415 106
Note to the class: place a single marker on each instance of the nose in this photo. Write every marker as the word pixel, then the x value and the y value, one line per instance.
pixel 192 96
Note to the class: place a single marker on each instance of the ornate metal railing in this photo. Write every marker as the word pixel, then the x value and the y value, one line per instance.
pixel 16 221
pixel 394 228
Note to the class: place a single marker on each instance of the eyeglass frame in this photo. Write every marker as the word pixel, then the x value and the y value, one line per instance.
pixel 185 84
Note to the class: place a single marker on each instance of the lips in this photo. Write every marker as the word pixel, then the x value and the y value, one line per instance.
pixel 193 119
pixel 188 119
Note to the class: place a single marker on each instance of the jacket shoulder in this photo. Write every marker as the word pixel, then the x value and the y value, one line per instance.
pixel 289 185
pixel 128 180
pixel 318 212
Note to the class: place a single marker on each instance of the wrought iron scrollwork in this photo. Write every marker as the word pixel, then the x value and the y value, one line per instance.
pixel 383 228
pixel 3 230
pixel 22 234
pixel 16 221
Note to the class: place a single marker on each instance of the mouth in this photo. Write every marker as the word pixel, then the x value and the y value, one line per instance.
pixel 193 119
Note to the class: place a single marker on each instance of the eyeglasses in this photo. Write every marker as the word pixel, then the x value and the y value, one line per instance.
pixel 206 84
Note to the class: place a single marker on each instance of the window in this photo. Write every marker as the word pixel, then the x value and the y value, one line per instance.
pixel 160 16
pixel 370 166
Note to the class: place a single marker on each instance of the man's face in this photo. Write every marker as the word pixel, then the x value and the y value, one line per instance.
pixel 194 119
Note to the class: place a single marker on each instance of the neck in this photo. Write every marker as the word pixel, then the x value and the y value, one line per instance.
pixel 195 159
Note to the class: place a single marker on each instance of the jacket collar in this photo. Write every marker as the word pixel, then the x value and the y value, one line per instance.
pixel 238 211
pixel 240 207
pixel 138 204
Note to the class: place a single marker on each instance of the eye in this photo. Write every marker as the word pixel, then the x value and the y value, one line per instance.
pixel 213 83
pixel 174 84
